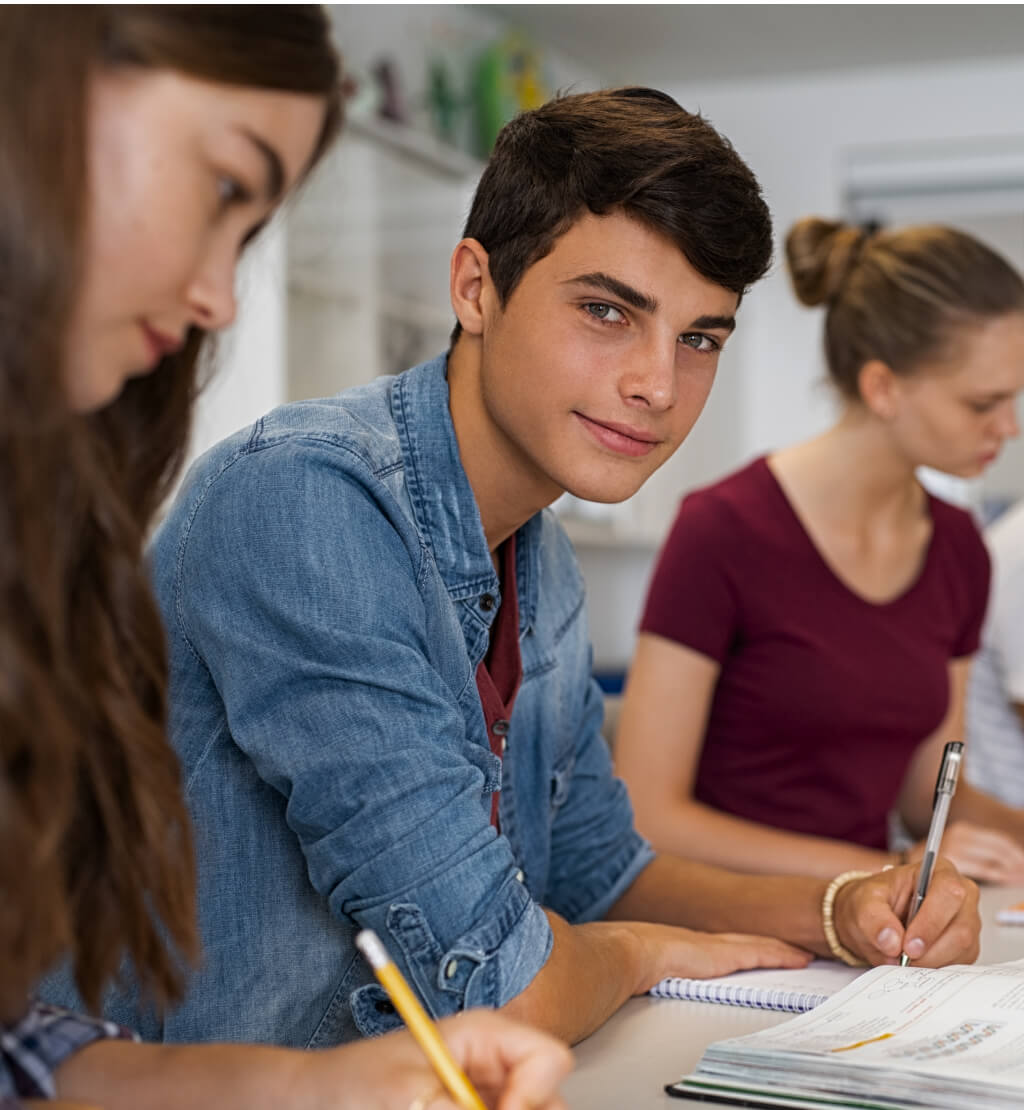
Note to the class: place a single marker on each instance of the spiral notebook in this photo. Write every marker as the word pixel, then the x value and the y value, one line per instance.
pixel 793 991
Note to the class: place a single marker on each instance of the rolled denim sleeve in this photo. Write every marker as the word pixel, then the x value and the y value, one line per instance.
pixel 596 853
pixel 304 589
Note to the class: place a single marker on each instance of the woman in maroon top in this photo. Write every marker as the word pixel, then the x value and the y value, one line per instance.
pixel 807 636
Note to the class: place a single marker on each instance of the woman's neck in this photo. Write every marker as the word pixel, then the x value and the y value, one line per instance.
pixel 854 471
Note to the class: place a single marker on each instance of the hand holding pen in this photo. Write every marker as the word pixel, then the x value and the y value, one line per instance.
pixel 945 788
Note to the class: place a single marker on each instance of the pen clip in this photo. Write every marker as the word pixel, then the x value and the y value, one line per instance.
pixel 949 770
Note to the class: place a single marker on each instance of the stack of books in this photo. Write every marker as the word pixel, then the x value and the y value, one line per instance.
pixel 895 1038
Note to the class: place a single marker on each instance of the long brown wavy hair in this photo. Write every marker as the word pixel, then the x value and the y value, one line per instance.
pixel 95 848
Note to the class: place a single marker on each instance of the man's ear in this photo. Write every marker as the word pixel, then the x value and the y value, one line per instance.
pixel 470 285
pixel 879 388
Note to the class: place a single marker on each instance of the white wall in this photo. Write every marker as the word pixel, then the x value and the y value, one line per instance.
pixel 794 134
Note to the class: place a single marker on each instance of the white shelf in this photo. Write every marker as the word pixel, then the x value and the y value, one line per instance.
pixel 370 236
pixel 424 149
pixel 589 534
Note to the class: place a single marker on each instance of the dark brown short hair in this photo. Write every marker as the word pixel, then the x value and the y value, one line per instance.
pixel 901 296
pixel 633 150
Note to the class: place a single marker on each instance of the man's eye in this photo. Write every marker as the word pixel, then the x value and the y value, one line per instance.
pixel 605 312
pixel 699 342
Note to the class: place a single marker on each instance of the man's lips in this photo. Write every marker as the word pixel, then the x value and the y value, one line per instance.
pixel 620 438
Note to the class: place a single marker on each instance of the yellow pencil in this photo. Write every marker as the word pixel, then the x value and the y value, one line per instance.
pixel 418 1023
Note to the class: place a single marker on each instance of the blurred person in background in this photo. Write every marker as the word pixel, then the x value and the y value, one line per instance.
pixel 995 693
pixel 809 628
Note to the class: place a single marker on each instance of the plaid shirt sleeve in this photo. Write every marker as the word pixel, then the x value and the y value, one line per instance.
pixel 33 1049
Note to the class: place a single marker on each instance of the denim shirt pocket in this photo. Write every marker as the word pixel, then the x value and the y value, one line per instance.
pixel 457 969
pixel 335 1026
pixel 408 929
pixel 373 1012
pixel 463 971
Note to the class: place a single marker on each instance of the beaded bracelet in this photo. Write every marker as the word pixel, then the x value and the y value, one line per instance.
pixel 828 924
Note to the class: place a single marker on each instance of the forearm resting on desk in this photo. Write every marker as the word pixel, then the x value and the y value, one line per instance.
pixel 868 913
pixel 593 969
pixel 122 1075
pixel 677 891
pixel 503 1060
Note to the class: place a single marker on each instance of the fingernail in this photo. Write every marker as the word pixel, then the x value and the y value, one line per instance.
pixel 914 948
pixel 887 940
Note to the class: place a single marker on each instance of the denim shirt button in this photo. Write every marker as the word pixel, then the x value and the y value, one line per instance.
pixel 487 602
pixel 500 727
pixel 520 877
pixel 451 968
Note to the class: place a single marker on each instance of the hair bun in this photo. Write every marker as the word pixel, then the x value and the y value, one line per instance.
pixel 820 255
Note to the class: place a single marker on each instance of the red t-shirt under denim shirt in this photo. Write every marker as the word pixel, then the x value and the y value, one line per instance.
pixel 501 670
pixel 823 696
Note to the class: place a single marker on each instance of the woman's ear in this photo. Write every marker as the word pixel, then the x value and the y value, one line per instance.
pixel 878 387
pixel 470 285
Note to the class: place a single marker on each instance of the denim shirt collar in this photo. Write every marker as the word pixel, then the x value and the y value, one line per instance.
pixel 442 499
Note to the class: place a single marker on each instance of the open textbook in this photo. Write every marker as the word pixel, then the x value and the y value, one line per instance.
pixel 792 991
pixel 950 1038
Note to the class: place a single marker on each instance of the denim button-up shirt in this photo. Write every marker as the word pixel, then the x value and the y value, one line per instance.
pixel 329 592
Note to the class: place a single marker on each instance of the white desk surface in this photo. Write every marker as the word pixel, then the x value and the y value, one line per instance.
pixel 653 1041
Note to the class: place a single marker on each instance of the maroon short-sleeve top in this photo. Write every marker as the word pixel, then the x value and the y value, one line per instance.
pixel 822 696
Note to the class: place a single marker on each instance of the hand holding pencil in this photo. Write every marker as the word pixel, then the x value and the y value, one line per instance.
pixel 473 1061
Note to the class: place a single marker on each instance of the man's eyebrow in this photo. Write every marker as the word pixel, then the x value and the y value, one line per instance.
pixel 633 297
pixel 274 185
pixel 724 323
pixel 644 302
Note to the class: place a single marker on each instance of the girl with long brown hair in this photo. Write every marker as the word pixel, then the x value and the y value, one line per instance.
pixel 141 147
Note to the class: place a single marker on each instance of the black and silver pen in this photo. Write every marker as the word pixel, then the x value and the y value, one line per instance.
pixel 945 788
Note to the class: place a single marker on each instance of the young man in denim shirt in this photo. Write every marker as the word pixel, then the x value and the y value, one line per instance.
pixel 359 590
